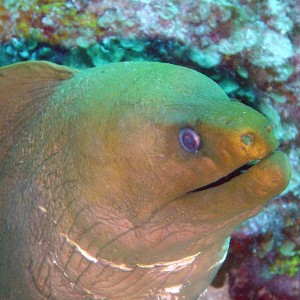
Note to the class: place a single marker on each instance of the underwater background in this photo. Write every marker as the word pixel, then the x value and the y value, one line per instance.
pixel 250 48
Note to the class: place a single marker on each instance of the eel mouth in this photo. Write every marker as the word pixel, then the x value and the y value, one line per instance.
pixel 237 172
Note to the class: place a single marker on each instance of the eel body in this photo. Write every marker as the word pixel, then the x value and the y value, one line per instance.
pixel 124 181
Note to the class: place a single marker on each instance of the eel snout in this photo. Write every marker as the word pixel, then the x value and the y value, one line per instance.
pixel 277 159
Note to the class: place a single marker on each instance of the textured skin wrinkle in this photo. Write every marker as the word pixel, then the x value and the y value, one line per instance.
pixel 36 280
pixel 43 280
pixel 98 255
pixel 74 222
pixel 77 281
pixel 79 239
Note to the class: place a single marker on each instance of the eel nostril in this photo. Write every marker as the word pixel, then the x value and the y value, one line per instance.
pixel 247 139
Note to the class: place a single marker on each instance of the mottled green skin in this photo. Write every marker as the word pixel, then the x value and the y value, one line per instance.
pixel 94 182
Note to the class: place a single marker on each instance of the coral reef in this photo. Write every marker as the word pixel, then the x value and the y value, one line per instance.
pixel 265 253
pixel 251 48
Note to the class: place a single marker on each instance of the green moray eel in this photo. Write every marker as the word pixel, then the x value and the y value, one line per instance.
pixel 124 181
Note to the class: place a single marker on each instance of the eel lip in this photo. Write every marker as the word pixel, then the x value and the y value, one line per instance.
pixel 244 168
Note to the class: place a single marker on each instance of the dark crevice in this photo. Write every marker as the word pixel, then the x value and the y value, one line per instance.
pixel 226 178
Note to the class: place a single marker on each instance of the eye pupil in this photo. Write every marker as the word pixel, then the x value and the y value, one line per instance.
pixel 189 140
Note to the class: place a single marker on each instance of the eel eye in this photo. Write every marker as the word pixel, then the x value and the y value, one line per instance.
pixel 189 140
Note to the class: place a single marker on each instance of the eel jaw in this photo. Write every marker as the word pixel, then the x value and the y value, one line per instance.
pixel 262 180
pixel 237 172
pixel 237 197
